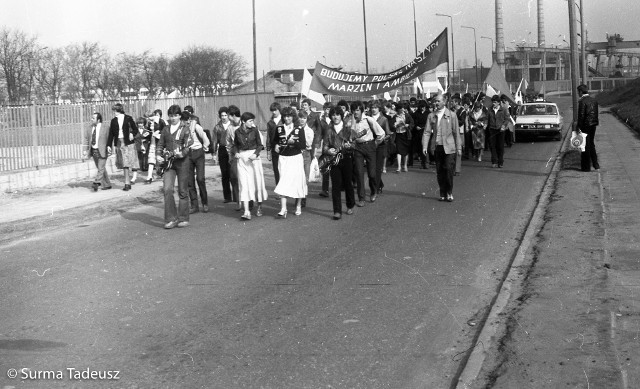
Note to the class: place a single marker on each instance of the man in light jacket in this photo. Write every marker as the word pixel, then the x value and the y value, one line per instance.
pixel 446 145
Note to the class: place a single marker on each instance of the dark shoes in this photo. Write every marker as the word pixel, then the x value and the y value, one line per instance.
pixel 106 188
pixel 126 187
pixel 324 193
pixel 95 186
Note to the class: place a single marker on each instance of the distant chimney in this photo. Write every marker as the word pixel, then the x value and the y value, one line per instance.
pixel 499 36
pixel 540 23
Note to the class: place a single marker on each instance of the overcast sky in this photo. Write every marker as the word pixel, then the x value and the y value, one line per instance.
pixel 297 33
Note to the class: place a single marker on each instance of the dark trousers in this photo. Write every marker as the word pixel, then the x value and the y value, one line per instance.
pixel 496 144
pixel 416 148
pixel 445 166
pixel 102 177
pixel 275 157
pixel 430 154
pixel 325 182
pixel 233 177
pixel 365 152
pixel 143 160
pixel 225 171
pixel 196 175
pixel 180 169
pixel 508 138
pixel 381 151
pixel 341 175
pixel 589 156
pixel 468 144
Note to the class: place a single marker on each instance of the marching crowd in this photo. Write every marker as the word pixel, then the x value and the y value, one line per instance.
pixel 344 142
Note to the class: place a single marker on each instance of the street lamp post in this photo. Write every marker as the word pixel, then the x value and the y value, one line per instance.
pixel 415 30
pixel 366 53
pixel 491 39
pixel 453 55
pixel 475 46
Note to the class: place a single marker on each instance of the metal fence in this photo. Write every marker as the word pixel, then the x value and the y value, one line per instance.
pixel 41 135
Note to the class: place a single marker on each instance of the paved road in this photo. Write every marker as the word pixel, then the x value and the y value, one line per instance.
pixel 388 297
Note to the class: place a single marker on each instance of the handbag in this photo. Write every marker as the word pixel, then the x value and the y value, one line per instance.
pixel 314 171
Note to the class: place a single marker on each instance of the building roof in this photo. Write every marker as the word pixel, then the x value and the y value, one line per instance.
pixel 280 82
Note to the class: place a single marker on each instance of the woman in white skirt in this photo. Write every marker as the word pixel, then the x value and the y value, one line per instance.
pixel 247 145
pixel 293 182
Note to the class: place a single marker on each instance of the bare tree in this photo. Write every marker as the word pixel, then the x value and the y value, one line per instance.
pixel 17 61
pixel 49 74
pixel 83 71
pixel 207 70
pixel 84 63
pixel 129 68
pixel 152 71
pixel 235 69
pixel 162 70
pixel 109 83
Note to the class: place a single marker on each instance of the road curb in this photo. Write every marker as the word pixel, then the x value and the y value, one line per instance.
pixel 512 281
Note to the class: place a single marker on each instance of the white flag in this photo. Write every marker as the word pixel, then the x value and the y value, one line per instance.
pixel 306 89
pixel 491 92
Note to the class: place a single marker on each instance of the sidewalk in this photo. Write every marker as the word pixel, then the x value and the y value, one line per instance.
pixel 29 211
pixel 576 322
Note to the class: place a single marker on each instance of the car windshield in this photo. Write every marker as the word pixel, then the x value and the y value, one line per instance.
pixel 538 109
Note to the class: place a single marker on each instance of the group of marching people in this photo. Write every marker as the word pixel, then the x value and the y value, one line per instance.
pixel 346 140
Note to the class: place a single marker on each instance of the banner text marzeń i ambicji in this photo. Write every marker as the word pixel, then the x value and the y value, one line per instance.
pixel 328 80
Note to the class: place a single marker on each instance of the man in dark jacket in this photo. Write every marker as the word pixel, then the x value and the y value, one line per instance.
pixel 587 123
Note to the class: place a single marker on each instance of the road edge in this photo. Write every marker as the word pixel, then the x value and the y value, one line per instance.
pixel 510 283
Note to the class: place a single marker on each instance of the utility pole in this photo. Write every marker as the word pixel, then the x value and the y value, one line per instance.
pixel 583 40
pixel 574 61
pixel 255 59
pixel 475 47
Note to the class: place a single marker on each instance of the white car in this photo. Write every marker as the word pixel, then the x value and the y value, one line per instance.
pixel 540 118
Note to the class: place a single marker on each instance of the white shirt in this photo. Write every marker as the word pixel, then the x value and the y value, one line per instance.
pixel 288 128
pixel 120 117
pixel 440 115
pixel 338 127
pixel 308 136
